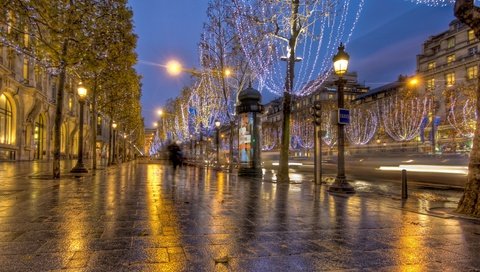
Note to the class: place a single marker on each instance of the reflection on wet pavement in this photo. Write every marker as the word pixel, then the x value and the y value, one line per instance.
pixel 144 217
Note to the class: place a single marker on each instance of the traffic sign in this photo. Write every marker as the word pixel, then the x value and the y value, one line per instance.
pixel 343 116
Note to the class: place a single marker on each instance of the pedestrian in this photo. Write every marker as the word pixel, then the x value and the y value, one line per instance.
pixel 175 155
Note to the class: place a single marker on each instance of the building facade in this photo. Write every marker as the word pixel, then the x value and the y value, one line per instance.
pixel 28 93
pixel 448 68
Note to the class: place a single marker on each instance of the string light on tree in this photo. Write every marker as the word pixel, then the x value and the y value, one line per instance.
pixel 326 23
pixel 269 137
pixel 363 126
pixel 462 118
pixel 329 128
pixel 402 117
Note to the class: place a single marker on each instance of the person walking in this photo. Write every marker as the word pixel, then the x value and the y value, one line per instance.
pixel 175 155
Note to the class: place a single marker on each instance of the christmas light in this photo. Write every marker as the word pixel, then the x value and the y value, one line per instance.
pixel 269 136
pixel 329 128
pixel 326 23
pixel 303 131
pixel 462 118
pixel 433 3
pixel 402 118
pixel 363 126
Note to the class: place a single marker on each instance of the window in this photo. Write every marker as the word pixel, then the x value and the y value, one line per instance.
pixel 472 72
pixel 38 137
pixel 431 65
pixel 471 35
pixel 450 42
pixel 472 51
pixel 25 69
pixel 430 84
pixel 26 38
pixel 70 104
pixel 11 60
pixel 6 123
pixel 451 58
pixel 450 79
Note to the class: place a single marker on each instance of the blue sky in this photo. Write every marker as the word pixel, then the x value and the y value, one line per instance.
pixel 384 45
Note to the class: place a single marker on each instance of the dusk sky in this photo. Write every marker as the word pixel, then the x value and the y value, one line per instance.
pixel 384 44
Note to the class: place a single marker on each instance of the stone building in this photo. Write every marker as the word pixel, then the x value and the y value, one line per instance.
pixel 448 68
pixel 27 111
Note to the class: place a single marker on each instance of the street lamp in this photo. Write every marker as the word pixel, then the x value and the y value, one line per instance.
pixel 340 66
pixel 217 141
pixel 114 126
pixel 174 67
pixel 80 167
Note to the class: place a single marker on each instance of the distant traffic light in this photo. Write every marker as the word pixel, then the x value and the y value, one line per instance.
pixel 317 113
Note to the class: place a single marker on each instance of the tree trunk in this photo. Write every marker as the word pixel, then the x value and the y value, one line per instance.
pixel 94 124
pixel 282 175
pixel 469 204
pixel 230 141
pixel 59 114
pixel 470 201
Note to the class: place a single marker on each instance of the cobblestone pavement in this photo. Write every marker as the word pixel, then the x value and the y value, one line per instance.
pixel 143 217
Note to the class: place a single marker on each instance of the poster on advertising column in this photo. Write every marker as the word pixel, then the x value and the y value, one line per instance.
pixel 245 138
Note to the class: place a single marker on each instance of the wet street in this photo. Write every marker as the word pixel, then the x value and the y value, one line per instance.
pixel 144 217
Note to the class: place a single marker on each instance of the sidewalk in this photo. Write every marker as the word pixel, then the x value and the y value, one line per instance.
pixel 143 217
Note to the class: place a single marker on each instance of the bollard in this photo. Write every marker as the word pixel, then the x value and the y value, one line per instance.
pixel 404 184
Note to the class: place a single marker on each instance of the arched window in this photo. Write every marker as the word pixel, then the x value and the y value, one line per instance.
pixel 38 137
pixel 6 128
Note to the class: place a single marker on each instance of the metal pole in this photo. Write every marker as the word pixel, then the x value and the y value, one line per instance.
pixel 217 142
pixel 404 184
pixel 124 146
pixel 318 154
pixel 341 185
pixel 80 167
pixel 433 123
pixel 114 160
pixel 341 136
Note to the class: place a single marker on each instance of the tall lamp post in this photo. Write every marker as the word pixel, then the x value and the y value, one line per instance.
pixel 124 155
pixel 217 140
pixel 80 167
pixel 340 66
pixel 114 159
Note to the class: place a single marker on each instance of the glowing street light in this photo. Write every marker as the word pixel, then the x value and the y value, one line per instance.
pixel 227 72
pixel 413 81
pixel 174 67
